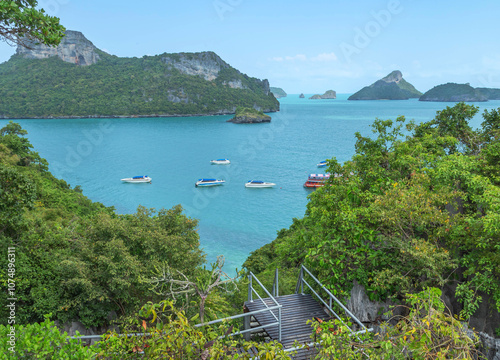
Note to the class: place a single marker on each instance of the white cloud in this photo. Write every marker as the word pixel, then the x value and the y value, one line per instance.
pixel 300 57
pixel 325 57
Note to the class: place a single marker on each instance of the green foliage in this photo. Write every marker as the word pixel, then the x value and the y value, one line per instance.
pixel 417 206
pixel 41 341
pixel 171 336
pixel 426 333
pixel 75 258
pixel 250 112
pixel 21 21
pixel 150 85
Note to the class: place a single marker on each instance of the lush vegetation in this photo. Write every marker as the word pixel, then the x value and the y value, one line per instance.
pixel 452 92
pixel 21 22
pixel 150 85
pixel 427 332
pixel 418 205
pixel 74 258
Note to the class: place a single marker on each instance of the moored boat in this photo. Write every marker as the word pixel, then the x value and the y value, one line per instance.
pixel 209 182
pixel 220 162
pixel 259 184
pixel 316 180
pixel 322 164
pixel 138 179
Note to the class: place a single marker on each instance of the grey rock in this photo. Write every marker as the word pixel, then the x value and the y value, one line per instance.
pixel 74 48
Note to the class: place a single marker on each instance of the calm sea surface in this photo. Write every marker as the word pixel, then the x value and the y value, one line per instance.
pixel 175 152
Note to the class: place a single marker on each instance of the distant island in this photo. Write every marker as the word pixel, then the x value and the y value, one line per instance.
pixel 491 94
pixel 330 94
pixel 452 92
pixel 301 96
pixel 245 115
pixel 391 87
pixel 76 79
pixel 278 92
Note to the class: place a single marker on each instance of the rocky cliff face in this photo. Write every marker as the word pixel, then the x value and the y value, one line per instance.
pixel 395 76
pixel 74 48
pixel 205 64
pixel 484 321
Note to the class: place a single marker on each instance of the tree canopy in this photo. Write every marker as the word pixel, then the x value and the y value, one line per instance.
pixel 418 205
pixel 22 23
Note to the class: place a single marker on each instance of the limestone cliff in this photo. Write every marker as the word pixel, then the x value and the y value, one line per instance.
pixel 391 87
pixel 74 48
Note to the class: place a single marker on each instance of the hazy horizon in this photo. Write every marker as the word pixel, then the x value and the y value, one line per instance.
pixel 303 47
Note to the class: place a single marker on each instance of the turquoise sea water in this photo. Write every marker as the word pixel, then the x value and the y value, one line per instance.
pixel 175 152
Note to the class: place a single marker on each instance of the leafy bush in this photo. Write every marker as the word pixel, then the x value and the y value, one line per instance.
pixel 427 332
pixel 41 341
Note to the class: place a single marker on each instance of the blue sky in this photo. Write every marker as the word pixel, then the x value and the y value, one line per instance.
pixel 304 46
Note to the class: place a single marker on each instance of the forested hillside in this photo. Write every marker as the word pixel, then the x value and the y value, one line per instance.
pixel 166 84
pixel 418 205
pixel 76 259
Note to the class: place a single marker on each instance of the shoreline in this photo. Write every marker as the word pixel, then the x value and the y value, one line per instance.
pixel 2 117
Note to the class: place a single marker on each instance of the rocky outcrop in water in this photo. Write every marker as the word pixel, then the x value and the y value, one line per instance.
pixel 301 96
pixel 249 116
pixel 329 94
pixel 74 48
pixel 391 87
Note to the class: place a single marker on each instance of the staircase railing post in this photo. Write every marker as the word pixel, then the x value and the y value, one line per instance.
pixel 250 288
pixel 276 279
pixel 279 325
pixel 301 278
pixel 247 325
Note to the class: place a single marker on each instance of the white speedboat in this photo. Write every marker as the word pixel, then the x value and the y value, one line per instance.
pixel 209 182
pixel 138 179
pixel 322 163
pixel 220 162
pixel 259 184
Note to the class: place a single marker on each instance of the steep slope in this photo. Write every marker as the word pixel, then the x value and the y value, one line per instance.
pixel 391 87
pixel 52 82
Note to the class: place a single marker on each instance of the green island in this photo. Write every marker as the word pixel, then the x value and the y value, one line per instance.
pixel 412 218
pixel 278 92
pixel 38 83
pixel 391 87
pixel 452 92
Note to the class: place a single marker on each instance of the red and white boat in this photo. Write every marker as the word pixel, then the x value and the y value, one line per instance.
pixel 316 180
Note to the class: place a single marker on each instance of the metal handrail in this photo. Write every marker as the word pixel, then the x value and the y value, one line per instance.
pixel 277 306
pixel 301 281
pixel 251 290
